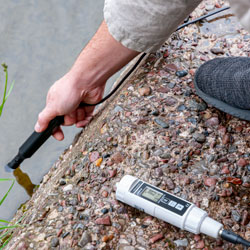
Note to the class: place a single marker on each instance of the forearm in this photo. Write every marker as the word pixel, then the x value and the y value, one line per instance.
pixel 101 58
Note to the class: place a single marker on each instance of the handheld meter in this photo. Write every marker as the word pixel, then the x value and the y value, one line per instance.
pixel 171 209
pixel 166 206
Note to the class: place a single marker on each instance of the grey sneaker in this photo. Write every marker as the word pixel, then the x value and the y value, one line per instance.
pixel 225 84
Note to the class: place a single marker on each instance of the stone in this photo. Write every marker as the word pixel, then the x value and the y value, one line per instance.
pixel 210 182
pixel 117 157
pixel 242 162
pixel 156 238
pixel 68 188
pixel 181 242
pixel 103 221
pixel 196 106
pixel 94 156
pixel 213 121
pixel 85 239
pixel 181 73
pixel 112 173
pixel 144 91
pixel 117 109
pixel 200 244
pixel 170 101
pixel 161 123
pixel 171 67
pixel 199 137
pixel 235 216
pixel 217 51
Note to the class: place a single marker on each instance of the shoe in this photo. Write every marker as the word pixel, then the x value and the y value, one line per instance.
pixel 225 84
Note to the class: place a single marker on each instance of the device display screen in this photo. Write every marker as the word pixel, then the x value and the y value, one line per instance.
pixel 151 194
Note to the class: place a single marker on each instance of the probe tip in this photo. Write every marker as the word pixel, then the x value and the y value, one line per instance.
pixel 8 169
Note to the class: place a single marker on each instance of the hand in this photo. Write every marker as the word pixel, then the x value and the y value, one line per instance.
pixel 85 82
pixel 64 98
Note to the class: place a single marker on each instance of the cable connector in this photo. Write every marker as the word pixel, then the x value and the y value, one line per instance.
pixel 233 238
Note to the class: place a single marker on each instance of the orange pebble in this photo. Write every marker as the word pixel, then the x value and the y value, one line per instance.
pixel 98 162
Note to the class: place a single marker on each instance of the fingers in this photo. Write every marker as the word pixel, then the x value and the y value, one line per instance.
pixel 70 119
pixel 84 116
pixel 43 119
pixel 58 134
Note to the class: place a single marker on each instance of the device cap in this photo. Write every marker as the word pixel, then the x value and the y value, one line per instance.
pixel 123 186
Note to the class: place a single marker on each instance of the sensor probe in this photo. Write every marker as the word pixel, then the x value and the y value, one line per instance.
pixel 172 209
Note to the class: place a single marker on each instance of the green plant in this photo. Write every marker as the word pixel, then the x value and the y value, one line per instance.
pixel 4 224
pixel 5 93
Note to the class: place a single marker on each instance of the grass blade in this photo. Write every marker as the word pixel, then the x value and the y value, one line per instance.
pixel 13 181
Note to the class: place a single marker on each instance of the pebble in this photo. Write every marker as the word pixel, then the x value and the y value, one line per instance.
pixel 200 244
pixel 155 112
pixel 161 123
pixel 171 85
pixel 169 183
pixel 213 121
pixel 245 218
pixel 170 101
pixel 98 162
pixel 210 182
pixel 235 215
pixel 181 107
pixel 236 181
pixel 62 182
pixel 85 239
pixel 242 162
pixel 209 7
pixel 94 156
pixel 68 188
pixel 117 109
pixel 156 238
pixel 144 91
pixel 225 170
pixel 117 157
pixel 181 243
pixel 171 67
pixel 217 51
pixel 195 106
pixel 112 173
pixel 181 73
pixel 103 221
pixel 199 137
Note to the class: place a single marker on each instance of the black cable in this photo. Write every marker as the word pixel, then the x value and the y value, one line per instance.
pixel 143 55
pixel 203 17
pixel 234 238
pixel 118 85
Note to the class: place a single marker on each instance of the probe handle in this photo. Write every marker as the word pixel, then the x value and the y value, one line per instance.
pixel 36 140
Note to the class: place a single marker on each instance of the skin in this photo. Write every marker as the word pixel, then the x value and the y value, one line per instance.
pixel 85 82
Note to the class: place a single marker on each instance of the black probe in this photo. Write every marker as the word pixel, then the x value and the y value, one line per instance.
pixel 233 238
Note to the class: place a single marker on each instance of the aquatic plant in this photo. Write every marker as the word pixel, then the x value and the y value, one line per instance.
pixel 4 224
pixel 5 93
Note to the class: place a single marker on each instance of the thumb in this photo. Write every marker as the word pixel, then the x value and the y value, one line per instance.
pixel 43 119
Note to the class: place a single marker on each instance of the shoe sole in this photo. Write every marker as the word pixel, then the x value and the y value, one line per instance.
pixel 243 114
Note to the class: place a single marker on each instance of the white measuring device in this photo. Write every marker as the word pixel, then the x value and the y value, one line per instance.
pixel 166 206
pixel 172 209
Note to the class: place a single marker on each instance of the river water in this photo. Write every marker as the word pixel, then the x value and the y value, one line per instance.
pixel 39 42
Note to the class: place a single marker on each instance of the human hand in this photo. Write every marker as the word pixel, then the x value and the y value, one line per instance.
pixel 64 98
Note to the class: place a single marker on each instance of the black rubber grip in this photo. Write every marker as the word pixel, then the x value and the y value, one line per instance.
pixel 36 140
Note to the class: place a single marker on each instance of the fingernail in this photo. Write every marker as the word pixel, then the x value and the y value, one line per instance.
pixel 37 127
